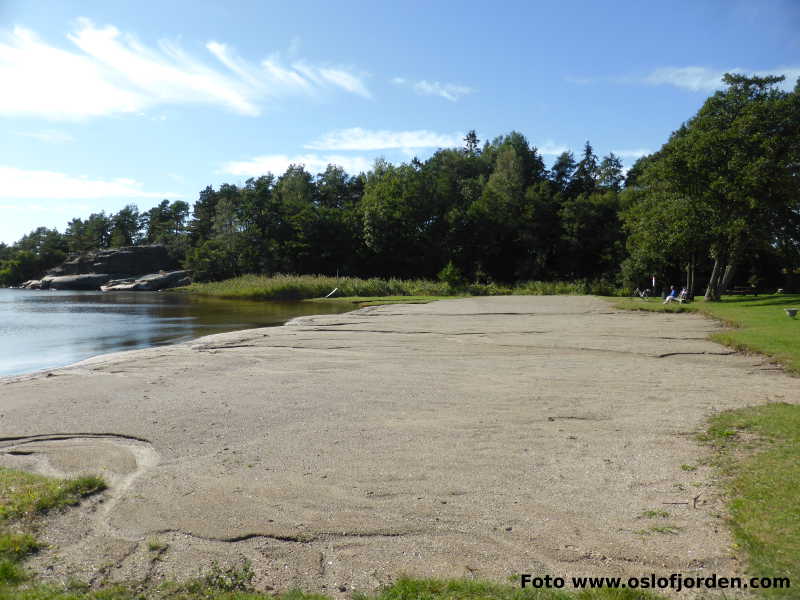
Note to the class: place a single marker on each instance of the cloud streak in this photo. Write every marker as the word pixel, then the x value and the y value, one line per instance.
pixel 278 163
pixel 51 185
pixel 449 91
pixel 356 138
pixel 550 148
pixel 704 79
pixel 632 154
pixel 109 72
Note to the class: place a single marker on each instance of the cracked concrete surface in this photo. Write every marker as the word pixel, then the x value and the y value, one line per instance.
pixel 475 437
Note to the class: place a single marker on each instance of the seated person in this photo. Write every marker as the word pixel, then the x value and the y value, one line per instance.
pixel 672 296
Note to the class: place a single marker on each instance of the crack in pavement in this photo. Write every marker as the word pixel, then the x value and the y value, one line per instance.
pixel 224 347
pixel 297 539
pixel 407 332
pixel 693 354
pixel 49 437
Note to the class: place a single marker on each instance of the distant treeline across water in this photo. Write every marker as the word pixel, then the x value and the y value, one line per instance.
pixel 717 205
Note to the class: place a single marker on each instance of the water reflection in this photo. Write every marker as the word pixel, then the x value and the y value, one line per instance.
pixel 45 329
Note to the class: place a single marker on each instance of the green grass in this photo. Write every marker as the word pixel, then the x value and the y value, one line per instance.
pixel 756 324
pixel 655 305
pixel 25 494
pixel 663 529
pixel 761 326
pixel 16 546
pixel 301 287
pixel 22 497
pixel 758 452
pixel 206 588
pixel 379 300
pixel 655 514
pixel 154 545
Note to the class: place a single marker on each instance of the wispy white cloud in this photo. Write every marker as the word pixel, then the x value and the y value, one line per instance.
pixel 632 154
pixel 278 163
pixel 448 91
pixel 692 78
pixel 50 136
pixel 550 148
pixel 51 185
pixel 356 138
pixel 110 72
pixel 340 78
pixel 704 79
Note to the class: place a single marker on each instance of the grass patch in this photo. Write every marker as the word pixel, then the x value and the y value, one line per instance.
pixel 758 451
pixel 154 545
pixel 304 287
pixel 757 324
pixel 16 546
pixel 654 305
pixel 761 325
pixel 403 589
pixel 376 301
pixel 460 589
pixel 654 514
pixel 665 529
pixel 25 494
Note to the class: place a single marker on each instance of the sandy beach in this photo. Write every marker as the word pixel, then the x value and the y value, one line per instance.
pixel 478 437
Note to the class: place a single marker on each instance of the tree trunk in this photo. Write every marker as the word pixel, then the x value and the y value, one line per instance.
pixel 690 283
pixel 688 274
pixel 712 291
pixel 726 278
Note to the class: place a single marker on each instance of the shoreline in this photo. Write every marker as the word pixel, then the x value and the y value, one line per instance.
pixel 186 337
pixel 475 437
pixel 122 354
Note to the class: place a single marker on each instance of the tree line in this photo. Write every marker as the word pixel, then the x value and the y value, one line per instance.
pixel 719 200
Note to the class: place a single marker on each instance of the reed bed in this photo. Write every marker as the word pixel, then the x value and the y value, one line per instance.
pixel 302 287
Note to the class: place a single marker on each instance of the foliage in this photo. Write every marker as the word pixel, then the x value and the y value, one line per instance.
pixel 452 276
pixel 725 185
pixel 35 252
pixel 719 202
pixel 16 546
pixel 299 287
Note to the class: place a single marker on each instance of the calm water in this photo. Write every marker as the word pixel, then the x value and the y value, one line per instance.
pixel 46 329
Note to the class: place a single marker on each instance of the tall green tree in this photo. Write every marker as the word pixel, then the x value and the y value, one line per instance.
pixel 736 163
pixel 125 227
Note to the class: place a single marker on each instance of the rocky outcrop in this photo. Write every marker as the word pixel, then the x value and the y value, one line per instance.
pixel 84 281
pixel 147 268
pixel 128 261
pixel 151 283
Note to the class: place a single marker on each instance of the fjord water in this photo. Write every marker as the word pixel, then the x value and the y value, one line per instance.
pixel 47 329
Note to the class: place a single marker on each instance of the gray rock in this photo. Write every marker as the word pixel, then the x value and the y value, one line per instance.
pixel 152 282
pixel 86 281
pixel 128 261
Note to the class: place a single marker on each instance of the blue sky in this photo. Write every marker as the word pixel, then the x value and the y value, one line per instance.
pixel 104 104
